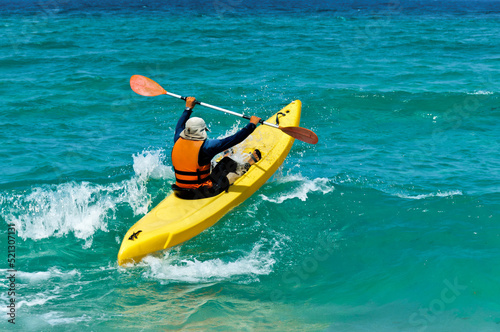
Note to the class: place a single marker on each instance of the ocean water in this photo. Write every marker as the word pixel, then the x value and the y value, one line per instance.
pixel 390 223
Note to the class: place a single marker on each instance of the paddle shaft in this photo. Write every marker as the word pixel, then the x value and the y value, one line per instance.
pixel 149 88
pixel 222 110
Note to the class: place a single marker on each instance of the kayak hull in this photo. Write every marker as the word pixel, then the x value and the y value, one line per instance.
pixel 175 220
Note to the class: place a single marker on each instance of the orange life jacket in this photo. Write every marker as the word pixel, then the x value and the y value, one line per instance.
pixel 188 173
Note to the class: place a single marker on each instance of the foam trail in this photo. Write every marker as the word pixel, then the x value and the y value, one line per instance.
pixel 438 194
pixel 480 92
pixel 44 276
pixel 307 186
pixel 55 318
pixel 81 208
pixel 244 269
pixel 52 277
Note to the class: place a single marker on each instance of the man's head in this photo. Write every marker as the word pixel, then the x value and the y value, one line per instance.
pixel 196 129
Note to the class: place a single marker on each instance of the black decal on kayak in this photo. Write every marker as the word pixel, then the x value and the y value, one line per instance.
pixel 277 117
pixel 134 236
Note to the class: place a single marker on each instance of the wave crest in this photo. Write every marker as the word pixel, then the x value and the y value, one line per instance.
pixel 438 194
pixel 245 269
pixel 81 208
pixel 306 186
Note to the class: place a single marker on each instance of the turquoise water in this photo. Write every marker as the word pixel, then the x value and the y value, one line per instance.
pixel 389 223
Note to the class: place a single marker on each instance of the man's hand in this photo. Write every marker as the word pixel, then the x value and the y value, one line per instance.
pixel 255 120
pixel 190 102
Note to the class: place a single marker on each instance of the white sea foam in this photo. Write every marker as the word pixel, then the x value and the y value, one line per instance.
pixel 31 300
pixel 35 301
pixel 231 131
pixel 306 186
pixel 33 279
pixel 59 210
pixel 245 269
pixel 236 152
pixel 42 276
pixel 481 92
pixel 81 208
pixel 438 194
pixel 57 318
pixel 149 164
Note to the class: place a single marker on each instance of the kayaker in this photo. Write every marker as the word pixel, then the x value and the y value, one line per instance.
pixel 193 152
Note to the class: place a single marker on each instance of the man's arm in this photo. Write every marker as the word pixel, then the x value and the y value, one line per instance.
pixel 214 146
pixel 181 124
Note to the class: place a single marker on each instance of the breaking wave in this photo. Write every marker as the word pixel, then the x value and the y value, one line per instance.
pixel 301 192
pixel 81 208
pixel 438 194
pixel 244 269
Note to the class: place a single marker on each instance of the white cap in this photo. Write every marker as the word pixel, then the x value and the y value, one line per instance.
pixel 196 129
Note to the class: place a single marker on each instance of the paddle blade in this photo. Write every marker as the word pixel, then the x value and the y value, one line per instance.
pixel 302 134
pixel 146 86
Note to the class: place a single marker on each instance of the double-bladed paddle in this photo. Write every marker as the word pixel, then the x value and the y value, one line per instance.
pixel 149 88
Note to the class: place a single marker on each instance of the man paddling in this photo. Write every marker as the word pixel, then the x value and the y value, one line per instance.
pixel 192 155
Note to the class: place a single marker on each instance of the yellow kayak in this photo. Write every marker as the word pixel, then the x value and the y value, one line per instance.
pixel 176 220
